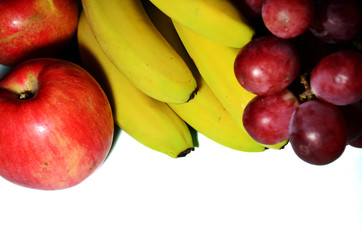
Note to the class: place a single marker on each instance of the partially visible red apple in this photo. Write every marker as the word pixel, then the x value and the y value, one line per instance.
pixel 56 124
pixel 35 28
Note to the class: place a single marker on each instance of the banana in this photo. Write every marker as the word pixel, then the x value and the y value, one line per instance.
pixel 204 113
pixel 216 65
pixel 217 20
pixel 149 121
pixel 134 45
pixel 165 26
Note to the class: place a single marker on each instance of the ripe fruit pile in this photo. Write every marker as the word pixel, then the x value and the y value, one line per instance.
pixel 328 115
pixel 248 74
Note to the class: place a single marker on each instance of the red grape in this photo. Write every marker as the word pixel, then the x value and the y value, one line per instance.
pixel 337 21
pixel 251 7
pixel 352 114
pixel 266 118
pixel 286 18
pixel 267 65
pixel 357 143
pixel 337 77
pixel 317 132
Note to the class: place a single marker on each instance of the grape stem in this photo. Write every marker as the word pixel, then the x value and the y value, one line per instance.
pixel 308 94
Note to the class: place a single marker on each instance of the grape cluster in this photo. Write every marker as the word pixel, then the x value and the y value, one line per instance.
pixel 305 67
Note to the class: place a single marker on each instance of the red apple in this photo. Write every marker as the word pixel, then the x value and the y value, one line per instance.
pixel 35 28
pixel 56 124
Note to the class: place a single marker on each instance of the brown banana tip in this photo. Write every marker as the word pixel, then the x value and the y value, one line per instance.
pixel 193 94
pixel 184 153
pixel 281 148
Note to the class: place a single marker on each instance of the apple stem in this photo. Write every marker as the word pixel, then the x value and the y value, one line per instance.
pixel 26 95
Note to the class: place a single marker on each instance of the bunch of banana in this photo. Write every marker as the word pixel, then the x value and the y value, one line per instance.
pixel 149 121
pixel 165 80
